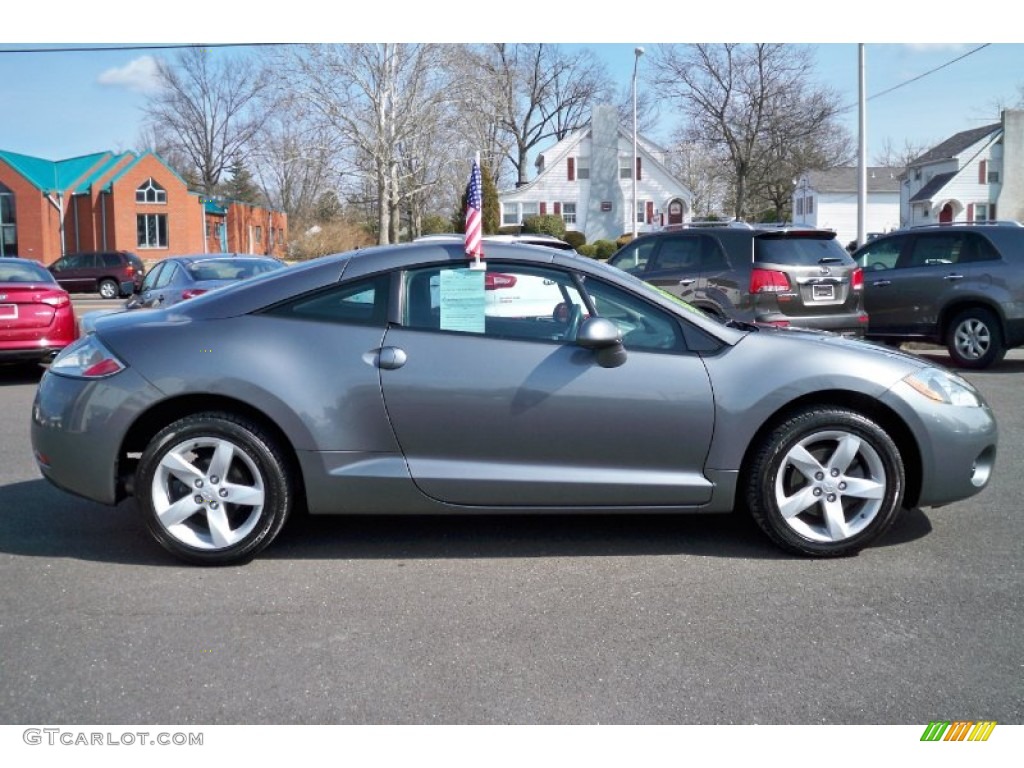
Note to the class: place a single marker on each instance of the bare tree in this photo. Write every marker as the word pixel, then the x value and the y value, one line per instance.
pixel 754 101
pixel 206 107
pixel 541 92
pixel 704 174
pixel 891 157
pixel 379 98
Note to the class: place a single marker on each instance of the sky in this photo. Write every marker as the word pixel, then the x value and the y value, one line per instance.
pixel 60 105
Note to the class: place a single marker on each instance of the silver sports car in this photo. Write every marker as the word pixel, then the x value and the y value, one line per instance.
pixel 381 381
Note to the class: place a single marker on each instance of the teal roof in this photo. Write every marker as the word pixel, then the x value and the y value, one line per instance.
pixel 50 176
pixel 93 177
pixel 215 208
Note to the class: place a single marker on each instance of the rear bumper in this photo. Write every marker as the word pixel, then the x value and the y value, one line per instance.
pixel 854 324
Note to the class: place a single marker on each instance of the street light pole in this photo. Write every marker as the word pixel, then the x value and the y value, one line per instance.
pixel 637 53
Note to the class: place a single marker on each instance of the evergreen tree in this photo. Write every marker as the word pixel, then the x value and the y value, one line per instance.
pixel 241 186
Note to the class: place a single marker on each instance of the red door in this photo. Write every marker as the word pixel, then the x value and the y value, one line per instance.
pixel 946 214
pixel 675 212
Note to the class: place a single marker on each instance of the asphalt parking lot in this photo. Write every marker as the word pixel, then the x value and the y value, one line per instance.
pixel 691 620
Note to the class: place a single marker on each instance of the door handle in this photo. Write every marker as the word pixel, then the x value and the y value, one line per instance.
pixel 881 283
pixel 391 358
pixel 687 281
pixel 953 277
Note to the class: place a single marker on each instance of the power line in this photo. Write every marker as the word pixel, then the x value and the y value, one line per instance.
pixel 146 47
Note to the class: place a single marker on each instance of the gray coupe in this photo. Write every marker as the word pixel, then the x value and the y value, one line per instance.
pixel 401 380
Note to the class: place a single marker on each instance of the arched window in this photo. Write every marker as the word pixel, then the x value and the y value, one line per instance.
pixel 150 192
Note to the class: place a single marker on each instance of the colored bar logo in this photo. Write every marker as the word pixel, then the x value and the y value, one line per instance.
pixel 958 730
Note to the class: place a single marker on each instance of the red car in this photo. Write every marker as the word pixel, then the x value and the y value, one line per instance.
pixel 37 319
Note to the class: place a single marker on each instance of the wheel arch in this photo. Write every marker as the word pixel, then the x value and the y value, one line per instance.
pixel 151 421
pixel 953 309
pixel 863 404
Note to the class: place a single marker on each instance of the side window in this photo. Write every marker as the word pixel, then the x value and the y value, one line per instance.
pixel 712 256
pixel 154 274
pixel 644 327
pixel 505 301
pixel 634 256
pixel 882 254
pixel 110 260
pixel 935 250
pixel 677 253
pixel 166 276
pixel 361 302
pixel 978 248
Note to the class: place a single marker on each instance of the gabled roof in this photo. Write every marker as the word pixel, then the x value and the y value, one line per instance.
pixel 49 175
pixel 845 179
pixel 97 174
pixel 929 190
pixel 563 147
pixel 956 144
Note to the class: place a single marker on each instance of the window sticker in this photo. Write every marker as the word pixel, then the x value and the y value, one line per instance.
pixel 462 300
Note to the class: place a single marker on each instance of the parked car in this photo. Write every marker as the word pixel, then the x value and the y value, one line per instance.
pixel 341 386
pixel 784 276
pixel 958 285
pixel 109 273
pixel 37 318
pixel 179 278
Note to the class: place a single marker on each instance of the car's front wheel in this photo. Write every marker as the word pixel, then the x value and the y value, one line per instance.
pixel 109 289
pixel 215 488
pixel 975 339
pixel 825 482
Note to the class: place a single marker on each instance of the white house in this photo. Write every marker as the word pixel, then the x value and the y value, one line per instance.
pixel 975 175
pixel 828 200
pixel 587 179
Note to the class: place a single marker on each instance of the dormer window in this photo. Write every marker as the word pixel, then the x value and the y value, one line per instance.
pixel 150 192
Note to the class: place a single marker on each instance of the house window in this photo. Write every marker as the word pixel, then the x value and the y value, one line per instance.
pixel 569 213
pixel 150 192
pixel 528 209
pixel 8 224
pixel 983 212
pixel 641 206
pixel 799 206
pixel 993 177
pixel 582 168
pixel 514 213
pixel 810 205
pixel 152 230
pixel 625 168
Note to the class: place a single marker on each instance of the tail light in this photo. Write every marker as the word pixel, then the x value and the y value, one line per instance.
pixel 495 280
pixel 191 293
pixel 86 358
pixel 768 281
pixel 56 299
pixel 857 280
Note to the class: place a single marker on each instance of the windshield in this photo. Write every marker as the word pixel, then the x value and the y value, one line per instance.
pixel 230 269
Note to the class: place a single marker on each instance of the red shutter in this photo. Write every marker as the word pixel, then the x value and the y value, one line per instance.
pixel 571 165
pixel 981 171
pixel 639 175
pixel 650 203
pixel 543 209
pixel 970 212
pixel 558 209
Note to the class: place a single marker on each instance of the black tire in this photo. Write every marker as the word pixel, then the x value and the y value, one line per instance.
pixel 213 519
pixel 109 289
pixel 850 467
pixel 974 339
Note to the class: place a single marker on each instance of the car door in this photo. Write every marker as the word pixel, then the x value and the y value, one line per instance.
pixel 73 272
pixel 157 278
pixel 906 300
pixel 498 411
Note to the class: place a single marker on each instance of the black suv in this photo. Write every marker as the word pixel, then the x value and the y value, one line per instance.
pixel 959 285
pixel 110 273
pixel 758 274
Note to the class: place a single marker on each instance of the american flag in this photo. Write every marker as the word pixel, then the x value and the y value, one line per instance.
pixel 474 213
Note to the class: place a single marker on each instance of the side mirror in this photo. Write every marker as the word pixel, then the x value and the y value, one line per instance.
pixel 604 337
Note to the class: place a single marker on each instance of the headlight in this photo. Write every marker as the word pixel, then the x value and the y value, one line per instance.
pixel 87 358
pixel 944 387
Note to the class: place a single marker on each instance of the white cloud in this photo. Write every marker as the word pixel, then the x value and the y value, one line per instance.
pixel 136 75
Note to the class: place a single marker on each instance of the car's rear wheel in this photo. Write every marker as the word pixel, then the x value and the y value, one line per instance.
pixel 109 289
pixel 215 488
pixel 825 482
pixel 975 339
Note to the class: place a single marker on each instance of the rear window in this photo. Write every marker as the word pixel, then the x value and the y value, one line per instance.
pixel 800 249
pixel 230 269
pixel 24 272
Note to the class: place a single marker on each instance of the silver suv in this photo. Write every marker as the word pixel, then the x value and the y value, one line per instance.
pixel 959 285
pixel 776 275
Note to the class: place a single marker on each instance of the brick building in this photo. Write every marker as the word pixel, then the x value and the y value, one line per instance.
pixel 122 201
